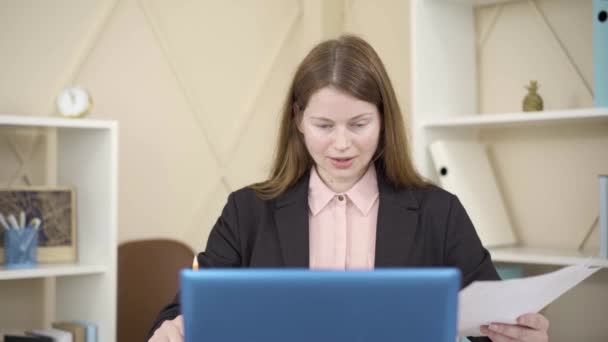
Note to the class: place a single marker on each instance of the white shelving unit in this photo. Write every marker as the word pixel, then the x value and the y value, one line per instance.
pixel 479 3
pixel 86 159
pixel 444 100
pixel 545 118
pixel 539 256
pixel 52 270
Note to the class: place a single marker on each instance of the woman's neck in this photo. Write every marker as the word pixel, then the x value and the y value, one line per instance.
pixel 340 185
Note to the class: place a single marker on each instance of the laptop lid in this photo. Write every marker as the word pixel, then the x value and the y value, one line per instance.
pixel 229 305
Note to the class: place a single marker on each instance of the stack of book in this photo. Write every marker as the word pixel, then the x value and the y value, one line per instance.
pixel 68 331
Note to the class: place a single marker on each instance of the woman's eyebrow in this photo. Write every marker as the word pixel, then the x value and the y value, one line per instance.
pixel 358 117
pixel 320 118
pixel 361 116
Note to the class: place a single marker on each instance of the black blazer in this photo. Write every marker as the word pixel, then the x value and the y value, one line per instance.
pixel 416 228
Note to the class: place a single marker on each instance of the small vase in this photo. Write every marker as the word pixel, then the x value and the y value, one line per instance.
pixel 532 102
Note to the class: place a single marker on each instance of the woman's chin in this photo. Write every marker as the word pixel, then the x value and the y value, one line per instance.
pixel 345 173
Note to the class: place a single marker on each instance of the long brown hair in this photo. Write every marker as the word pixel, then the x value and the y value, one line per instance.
pixel 350 65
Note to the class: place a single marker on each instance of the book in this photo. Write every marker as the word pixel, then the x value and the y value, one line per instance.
pixel 465 171
pixel 77 330
pixel 603 219
pixel 19 335
pixel 56 335
pixel 600 53
pixel 26 338
pixel 90 330
pixel 9 331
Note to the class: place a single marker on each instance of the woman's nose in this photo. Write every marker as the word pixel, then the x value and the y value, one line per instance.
pixel 341 140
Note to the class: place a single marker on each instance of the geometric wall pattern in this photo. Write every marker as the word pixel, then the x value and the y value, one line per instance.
pixel 195 85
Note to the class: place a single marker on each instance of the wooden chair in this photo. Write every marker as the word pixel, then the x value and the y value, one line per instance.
pixel 148 279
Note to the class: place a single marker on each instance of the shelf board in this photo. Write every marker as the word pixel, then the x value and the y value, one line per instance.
pixel 539 256
pixel 51 270
pixel 585 115
pixel 58 122
pixel 481 3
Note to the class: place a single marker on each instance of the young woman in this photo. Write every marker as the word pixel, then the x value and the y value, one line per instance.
pixel 343 192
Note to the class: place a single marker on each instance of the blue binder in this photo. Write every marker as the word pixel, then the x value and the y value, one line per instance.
pixel 600 52
pixel 604 216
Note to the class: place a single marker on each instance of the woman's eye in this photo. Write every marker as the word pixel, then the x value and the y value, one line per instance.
pixel 359 124
pixel 324 126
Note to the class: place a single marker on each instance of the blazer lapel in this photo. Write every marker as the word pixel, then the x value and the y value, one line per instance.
pixel 291 217
pixel 396 227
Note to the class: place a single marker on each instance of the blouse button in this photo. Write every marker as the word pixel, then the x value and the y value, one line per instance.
pixel 340 198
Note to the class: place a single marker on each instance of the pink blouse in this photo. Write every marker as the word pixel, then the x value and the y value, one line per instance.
pixel 342 226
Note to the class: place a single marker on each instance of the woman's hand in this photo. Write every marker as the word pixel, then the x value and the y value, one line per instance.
pixel 170 331
pixel 530 328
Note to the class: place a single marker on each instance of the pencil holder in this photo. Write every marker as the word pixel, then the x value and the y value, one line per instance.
pixel 20 247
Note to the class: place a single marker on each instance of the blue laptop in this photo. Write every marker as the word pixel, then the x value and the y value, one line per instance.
pixel 280 305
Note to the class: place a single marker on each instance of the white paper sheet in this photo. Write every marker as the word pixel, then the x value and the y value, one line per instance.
pixel 485 302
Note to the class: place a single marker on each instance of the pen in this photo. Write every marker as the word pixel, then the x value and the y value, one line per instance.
pixel 35 223
pixel 4 223
pixel 22 219
pixel 13 221
pixel 195 263
pixel 28 241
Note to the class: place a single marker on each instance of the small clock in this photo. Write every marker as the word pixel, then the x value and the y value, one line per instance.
pixel 74 102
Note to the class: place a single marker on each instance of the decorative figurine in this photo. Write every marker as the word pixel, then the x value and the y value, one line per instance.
pixel 532 101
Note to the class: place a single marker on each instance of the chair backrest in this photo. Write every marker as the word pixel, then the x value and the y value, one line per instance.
pixel 148 278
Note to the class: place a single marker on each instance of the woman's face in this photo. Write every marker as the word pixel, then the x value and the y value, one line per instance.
pixel 341 134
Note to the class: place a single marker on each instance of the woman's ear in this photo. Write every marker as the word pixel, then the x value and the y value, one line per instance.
pixel 297 116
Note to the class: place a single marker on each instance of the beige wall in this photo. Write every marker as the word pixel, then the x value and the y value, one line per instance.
pixel 198 109
pixel 195 85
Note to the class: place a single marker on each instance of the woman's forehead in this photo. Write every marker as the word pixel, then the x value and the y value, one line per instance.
pixel 331 103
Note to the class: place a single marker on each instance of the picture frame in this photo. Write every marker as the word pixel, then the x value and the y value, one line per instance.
pixel 56 208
